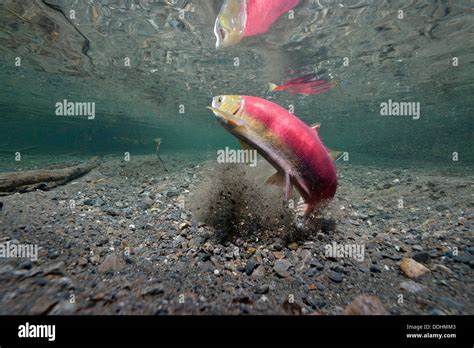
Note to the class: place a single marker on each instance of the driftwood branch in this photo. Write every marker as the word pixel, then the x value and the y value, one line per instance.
pixel 44 179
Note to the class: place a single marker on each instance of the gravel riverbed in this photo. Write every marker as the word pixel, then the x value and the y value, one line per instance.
pixel 130 238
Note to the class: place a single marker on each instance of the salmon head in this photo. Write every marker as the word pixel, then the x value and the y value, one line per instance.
pixel 230 23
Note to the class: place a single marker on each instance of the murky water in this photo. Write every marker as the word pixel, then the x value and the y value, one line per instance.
pixel 151 68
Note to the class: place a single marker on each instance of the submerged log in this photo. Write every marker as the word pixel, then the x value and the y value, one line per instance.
pixel 44 179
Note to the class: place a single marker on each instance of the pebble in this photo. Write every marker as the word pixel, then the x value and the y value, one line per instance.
pixel 281 267
pixel 412 286
pixel 422 257
pixel 259 272
pixel 65 307
pixel 26 264
pixel 102 241
pixel 262 289
pixel 53 254
pixel 111 263
pixel 335 277
pixel 412 269
pixel 365 305
pixel 146 203
pixel 394 257
pixel 462 257
pixel 250 266
pixel 152 290
pixel 55 269
pixel 375 268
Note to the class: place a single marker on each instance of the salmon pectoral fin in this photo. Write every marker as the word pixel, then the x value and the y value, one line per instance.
pixel 283 180
pixel 288 186
pixel 245 146
pixel 335 155
pixel 277 179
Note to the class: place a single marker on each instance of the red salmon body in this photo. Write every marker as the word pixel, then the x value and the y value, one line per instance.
pixel 312 170
pixel 261 14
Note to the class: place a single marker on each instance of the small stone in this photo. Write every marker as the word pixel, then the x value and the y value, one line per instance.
pixel 293 246
pixel 279 254
pixel 82 261
pixel 27 264
pixel 53 254
pixel 263 289
pixel 412 269
pixel 184 225
pixel 422 257
pixel 335 277
pixel 259 272
pixel 375 268
pixel 390 256
pixel 417 247
pixel 55 269
pixel 316 264
pixel 111 263
pixel 412 286
pixel 112 212
pixel 251 250
pixel 65 307
pixel 442 268
pixel 250 266
pixel 462 257
pixel 281 267
pixel 146 203
pixel 102 241
pixel 42 306
pixel 153 290
pixel 365 305
pixel 89 201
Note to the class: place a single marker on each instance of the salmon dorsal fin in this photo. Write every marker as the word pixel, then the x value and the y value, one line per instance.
pixel 335 155
pixel 277 179
pixel 316 126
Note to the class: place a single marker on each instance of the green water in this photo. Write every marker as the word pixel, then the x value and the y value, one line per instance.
pixel 425 57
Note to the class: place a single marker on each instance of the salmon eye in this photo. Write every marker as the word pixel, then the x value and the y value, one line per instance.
pixel 219 99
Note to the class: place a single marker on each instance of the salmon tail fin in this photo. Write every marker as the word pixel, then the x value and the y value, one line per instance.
pixel 272 87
